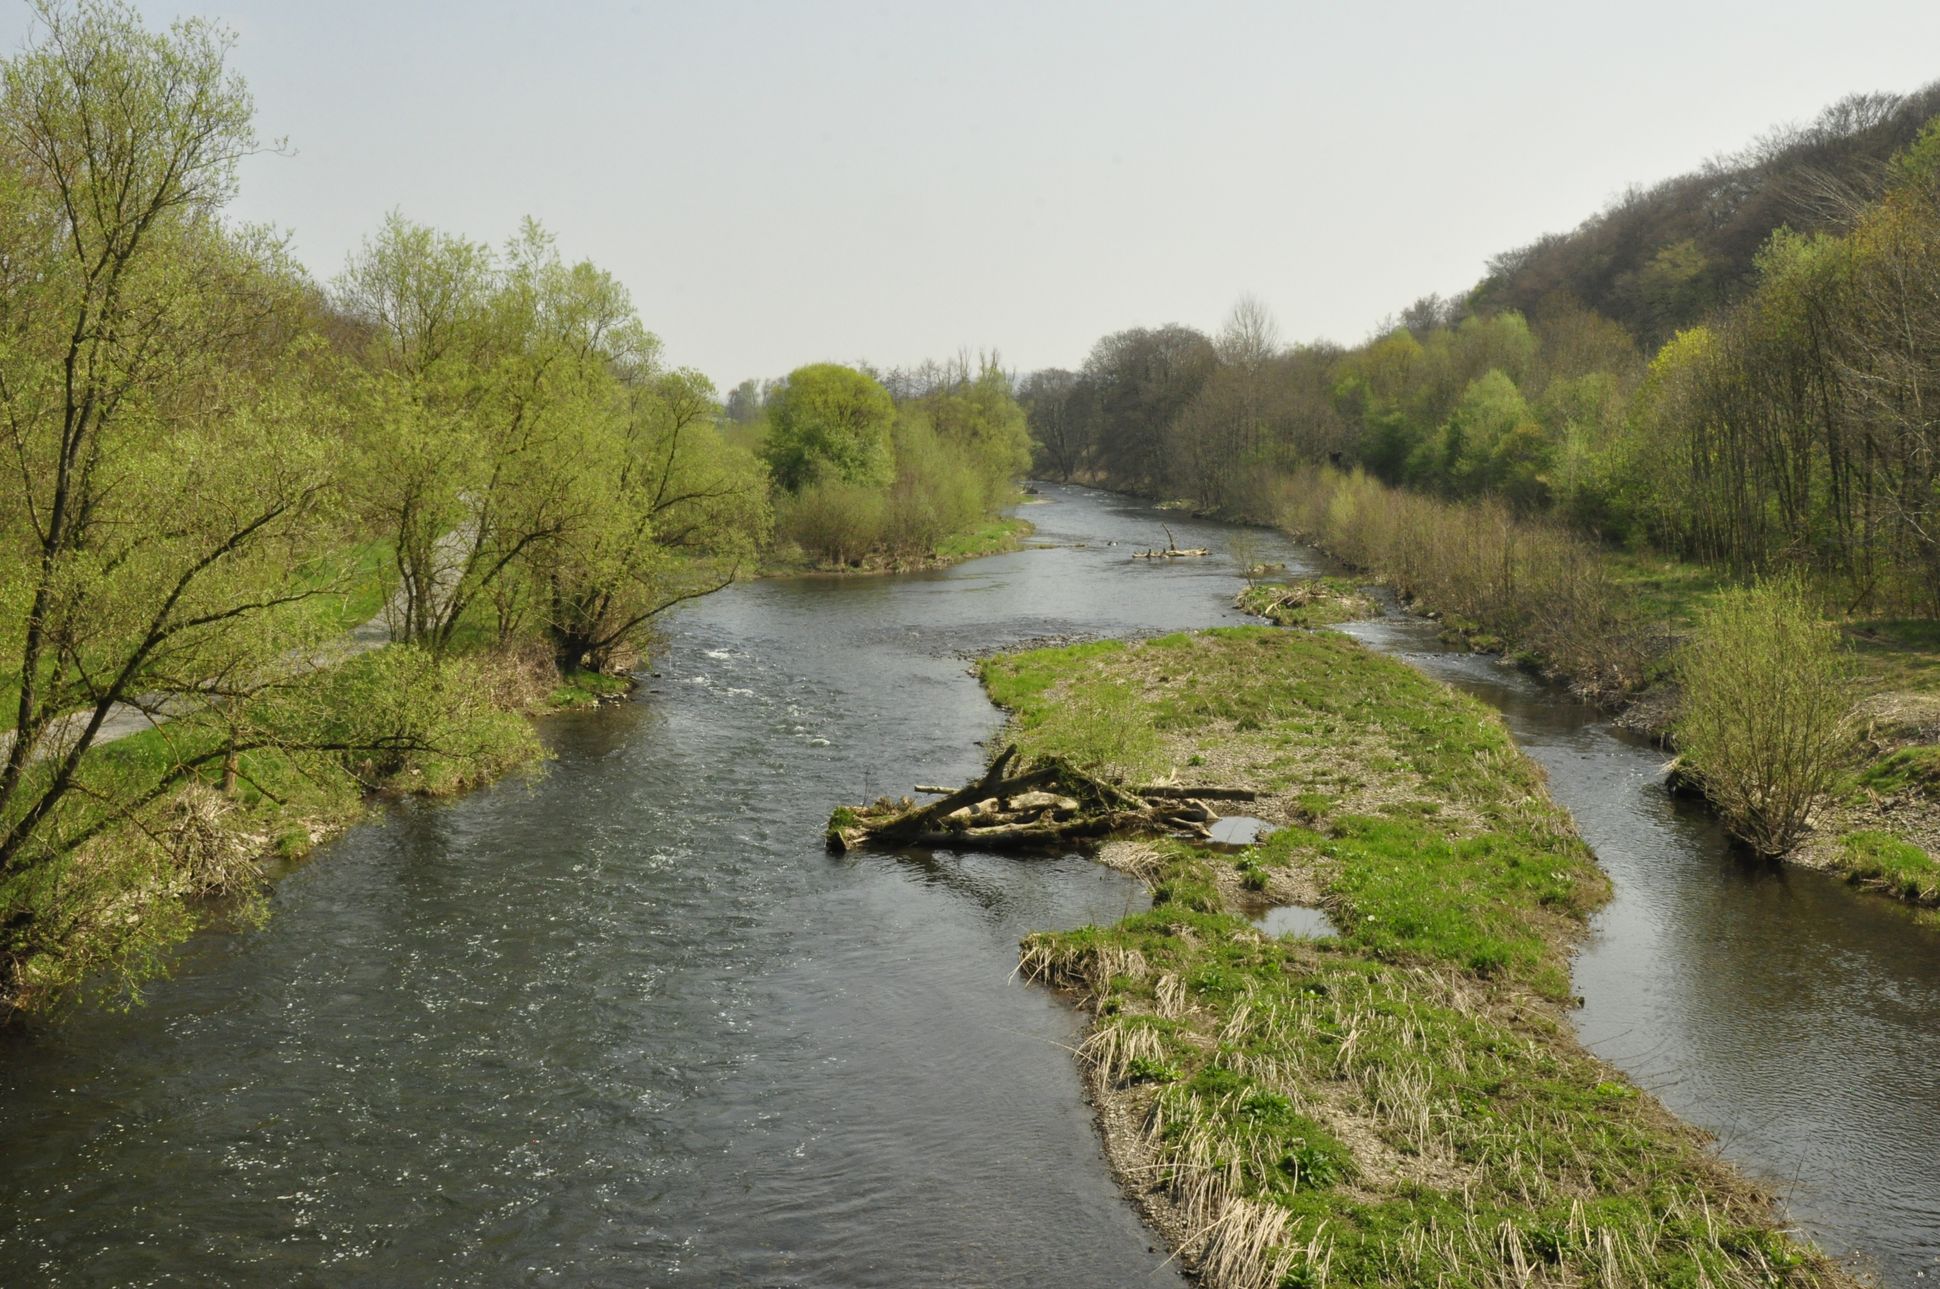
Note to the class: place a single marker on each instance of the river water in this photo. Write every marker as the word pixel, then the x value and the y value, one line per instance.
pixel 628 1024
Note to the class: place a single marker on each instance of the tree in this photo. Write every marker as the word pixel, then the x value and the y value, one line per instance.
pixel 1251 337
pixel 1058 409
pixel 744 402
pixel 831 423
pixel 979 415
pixel 421 298
pixel 1143 379
pixel 679 513
pixel 488 384
pixel 165 440
pixel 1767 719
pixel 1219 441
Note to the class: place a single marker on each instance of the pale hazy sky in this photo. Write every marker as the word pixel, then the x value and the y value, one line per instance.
pixel 787 183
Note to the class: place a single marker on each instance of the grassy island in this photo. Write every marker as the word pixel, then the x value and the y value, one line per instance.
pixel 1402 1101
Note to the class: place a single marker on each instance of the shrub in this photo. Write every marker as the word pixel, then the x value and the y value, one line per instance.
pixel 938 490
pixel 835 522
pixel 1767 711
pixel 1526 581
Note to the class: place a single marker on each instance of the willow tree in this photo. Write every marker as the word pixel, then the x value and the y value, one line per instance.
pixel 420 298
pixel 162 467
pixel 524 451
pixel 162 464
pixel 679 512
pixel 483 394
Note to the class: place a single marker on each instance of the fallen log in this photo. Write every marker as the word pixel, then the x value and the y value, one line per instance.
pixel 1172 549
pixel 1050 803
pixel 1200 794
pixel 1023 836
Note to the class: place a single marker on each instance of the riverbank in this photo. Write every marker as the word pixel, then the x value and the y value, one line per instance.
pixel 1399 1102
pixel 368 722
pixel 997 536
pixel 149 875
pixel 1608 625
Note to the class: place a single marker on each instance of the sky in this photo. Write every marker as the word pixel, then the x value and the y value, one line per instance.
pixel 784 183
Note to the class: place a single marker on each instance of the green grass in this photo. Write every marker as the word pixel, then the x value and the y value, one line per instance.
pixel 582 688
pixel 1666 590
pixel 1914 770
pixel 1897 654
pixel 1898 867
pixel 1246 1051
pixel 1403 1102
pixel 1099 728
pixel 991 538
pixel 1893 654
pixel 353 583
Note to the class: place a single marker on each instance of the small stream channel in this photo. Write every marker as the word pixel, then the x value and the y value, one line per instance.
pixel 1793 1016
pixel 628 1024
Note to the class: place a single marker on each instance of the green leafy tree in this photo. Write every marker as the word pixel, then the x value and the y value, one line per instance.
pixel 677 512
pixel 1767 719
pixel 980 415
pixel 165 433
pixel 487 388
pixel 421 300
pixel 831 423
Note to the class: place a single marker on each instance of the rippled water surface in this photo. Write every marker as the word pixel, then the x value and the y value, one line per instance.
pixel 629 1025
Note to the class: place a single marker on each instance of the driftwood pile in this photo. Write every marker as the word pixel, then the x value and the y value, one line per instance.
pixel 1172 549
pixel 1262 601
pixel 1046 804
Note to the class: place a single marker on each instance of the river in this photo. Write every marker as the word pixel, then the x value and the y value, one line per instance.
pixel 628 1024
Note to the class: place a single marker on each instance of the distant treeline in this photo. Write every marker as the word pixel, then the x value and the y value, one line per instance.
pixel 1790 418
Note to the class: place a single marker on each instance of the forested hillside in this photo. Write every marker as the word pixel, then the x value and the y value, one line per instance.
pixel 1664 257
pixel 1689 452
pixel 1736 367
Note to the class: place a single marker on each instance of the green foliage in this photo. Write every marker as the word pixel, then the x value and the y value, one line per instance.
pixel 1897 866
pixel 671 509
pixel 1917 169
pixel 1514 579
pixel 954 452
pixel 981 418
pixel 939 490
pixel 1767 717
pixel 839 523
pixel 1784 423
pixel 216 469
pixel 831 424
pixel 170 443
